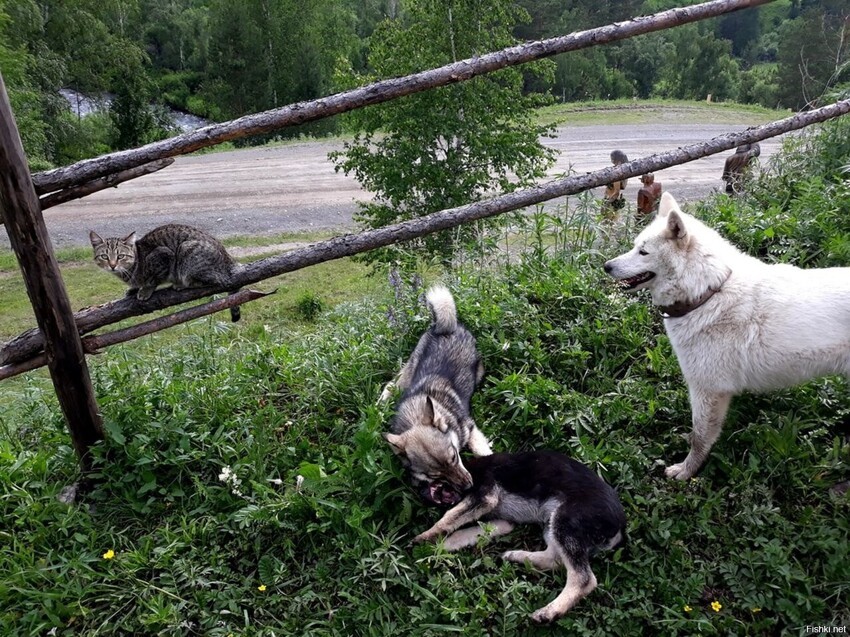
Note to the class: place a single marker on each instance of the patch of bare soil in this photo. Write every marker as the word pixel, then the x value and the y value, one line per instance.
pixel 295 188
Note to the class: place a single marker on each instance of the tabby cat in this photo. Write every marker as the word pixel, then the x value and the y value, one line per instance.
pixel 185 256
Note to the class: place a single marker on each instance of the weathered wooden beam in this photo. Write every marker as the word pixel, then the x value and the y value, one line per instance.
pixel 13 369
pixel 110 181
pixel 30 342
pixel 93 344
pixel 379 92
pixel 53 313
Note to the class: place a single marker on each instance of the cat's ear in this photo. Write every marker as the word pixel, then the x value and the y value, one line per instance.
pixel 94 238
pixel 130 238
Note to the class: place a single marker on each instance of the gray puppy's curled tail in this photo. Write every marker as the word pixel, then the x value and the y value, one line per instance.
pixel 443 311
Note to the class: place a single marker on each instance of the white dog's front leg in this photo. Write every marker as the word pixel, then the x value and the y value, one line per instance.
pixel 469 536
pixel 464 512
pixel 478 443
pixel 709 411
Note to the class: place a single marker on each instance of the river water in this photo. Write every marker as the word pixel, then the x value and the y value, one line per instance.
pixel 83 105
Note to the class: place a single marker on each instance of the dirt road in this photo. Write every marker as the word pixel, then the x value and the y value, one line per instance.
pixel 294 188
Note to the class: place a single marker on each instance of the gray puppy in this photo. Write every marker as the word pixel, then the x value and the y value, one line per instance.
pixel 432 421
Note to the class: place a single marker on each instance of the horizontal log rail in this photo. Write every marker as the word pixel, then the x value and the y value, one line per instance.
pixel 93 344
pixel 102 183
pixel 377 93
pixel 29 343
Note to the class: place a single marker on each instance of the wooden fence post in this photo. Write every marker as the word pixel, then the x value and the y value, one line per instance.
pixel 66 359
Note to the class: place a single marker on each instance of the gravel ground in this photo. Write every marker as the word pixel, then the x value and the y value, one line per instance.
pixel 294 187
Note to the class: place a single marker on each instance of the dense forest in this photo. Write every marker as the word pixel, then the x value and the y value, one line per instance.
pixel 220 59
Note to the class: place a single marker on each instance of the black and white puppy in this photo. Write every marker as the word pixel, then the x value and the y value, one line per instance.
pixel 580 514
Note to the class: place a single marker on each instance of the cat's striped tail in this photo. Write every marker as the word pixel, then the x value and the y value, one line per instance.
pixel 236 310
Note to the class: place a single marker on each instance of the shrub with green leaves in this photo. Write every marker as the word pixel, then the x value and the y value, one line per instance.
pixel 244 487
pixel 450 146
pixel 798 210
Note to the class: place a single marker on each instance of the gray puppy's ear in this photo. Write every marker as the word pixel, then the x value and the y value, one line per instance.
pixel 434 417
pixel 95 239
pixel 396 443
pixel 428 412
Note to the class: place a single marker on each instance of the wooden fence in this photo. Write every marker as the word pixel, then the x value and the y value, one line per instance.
pixel 58 340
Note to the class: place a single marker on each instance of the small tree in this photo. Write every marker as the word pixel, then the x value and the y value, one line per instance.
pixel 452 145
pixel 699 64
pixel 135 121
pixel 814 53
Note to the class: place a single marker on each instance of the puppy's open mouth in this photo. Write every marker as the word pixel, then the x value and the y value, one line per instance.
pixel 442 493
pixel 633 281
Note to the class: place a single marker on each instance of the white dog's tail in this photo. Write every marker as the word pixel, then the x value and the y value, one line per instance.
pixel 443 310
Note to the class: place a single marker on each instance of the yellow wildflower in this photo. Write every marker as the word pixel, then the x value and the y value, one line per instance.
pixel 109 554
pixel 687 608
pixel 756 609
pixel 261 587
pixel 716 606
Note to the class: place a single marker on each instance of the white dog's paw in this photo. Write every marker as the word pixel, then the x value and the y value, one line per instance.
pixel 545 615
pixel 389 388
pixel 515 556
pixel 679 471
pixel 478 443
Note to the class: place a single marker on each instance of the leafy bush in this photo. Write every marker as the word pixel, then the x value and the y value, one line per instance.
pixel 83 137
pixel 309 306
pixel 244 487
pixel 759 86
pixel 447 147
pixel 796 211
pixel 199 494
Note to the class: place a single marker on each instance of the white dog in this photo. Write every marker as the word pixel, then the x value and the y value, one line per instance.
pixel 735 323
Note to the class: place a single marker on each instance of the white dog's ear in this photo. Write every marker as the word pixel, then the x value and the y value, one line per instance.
pixel 676 226
pixel 668 203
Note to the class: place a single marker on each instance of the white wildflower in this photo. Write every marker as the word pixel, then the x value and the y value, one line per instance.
pixel 229 477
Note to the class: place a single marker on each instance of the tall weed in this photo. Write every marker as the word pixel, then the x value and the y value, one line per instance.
pixel 244 487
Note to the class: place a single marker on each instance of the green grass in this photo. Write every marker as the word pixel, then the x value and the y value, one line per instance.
pixel 329 283
pixel 655 112
pixel 571 364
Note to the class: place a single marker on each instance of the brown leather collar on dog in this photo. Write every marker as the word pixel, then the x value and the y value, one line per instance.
pixel 680 308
